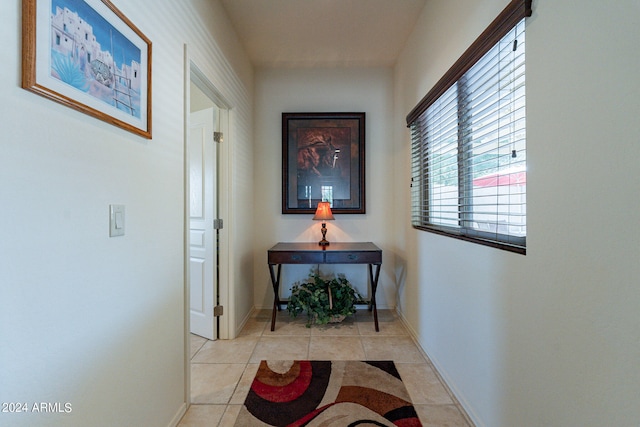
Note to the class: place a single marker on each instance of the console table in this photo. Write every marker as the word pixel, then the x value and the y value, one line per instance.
pixel 335 253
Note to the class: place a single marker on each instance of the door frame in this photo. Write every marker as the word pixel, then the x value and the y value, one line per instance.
pixel 193 74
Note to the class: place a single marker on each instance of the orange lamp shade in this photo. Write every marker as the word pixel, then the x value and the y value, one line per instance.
pixel 324 212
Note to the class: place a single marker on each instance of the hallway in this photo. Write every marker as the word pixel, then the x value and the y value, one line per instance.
pixel 222 371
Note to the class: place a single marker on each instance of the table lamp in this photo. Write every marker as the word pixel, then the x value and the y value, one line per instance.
pixel 323 213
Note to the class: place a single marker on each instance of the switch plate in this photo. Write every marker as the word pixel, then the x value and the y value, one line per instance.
pixel 116 220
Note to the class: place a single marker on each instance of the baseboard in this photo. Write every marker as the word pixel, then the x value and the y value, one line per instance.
pixel 461 404
pixel 178 416
pixel 245 320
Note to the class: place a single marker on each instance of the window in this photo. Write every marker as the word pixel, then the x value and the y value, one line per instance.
pixel 468 138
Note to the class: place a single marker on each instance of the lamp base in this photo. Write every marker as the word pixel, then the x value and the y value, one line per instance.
pixel 324 241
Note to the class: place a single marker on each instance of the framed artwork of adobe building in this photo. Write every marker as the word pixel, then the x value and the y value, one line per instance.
pixel 89 56
pixel 323 160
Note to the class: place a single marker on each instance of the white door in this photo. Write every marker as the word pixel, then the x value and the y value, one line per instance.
pixel 203 210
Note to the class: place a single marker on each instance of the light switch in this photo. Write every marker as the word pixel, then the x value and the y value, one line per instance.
pixel 116 220
pixel 119 220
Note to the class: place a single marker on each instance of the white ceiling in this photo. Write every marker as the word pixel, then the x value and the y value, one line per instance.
pixel 323 33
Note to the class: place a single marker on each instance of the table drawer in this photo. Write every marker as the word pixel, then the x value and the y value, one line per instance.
pixel 295 258
pixel 353 257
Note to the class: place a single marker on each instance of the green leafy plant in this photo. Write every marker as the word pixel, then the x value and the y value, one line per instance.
pixel 325 299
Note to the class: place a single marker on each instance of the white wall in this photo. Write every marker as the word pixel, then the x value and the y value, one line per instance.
pixel 550 338
pixel 94 321
pixel 223 61
pixel 323 90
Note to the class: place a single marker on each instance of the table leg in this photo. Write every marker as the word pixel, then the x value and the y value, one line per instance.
pixel 275 282
pixel 374 287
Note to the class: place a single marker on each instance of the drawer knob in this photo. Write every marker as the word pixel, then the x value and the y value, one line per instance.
pixel 354 257
pixel 296 257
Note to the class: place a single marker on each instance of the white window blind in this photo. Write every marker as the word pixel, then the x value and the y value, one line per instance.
pixel 469 149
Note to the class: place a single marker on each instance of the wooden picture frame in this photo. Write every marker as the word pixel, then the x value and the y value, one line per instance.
pixel 87 55
pixel 323 159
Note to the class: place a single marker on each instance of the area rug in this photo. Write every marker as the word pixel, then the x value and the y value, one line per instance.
pixel 327 394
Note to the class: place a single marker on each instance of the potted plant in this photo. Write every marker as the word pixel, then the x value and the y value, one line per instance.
pixel 325 299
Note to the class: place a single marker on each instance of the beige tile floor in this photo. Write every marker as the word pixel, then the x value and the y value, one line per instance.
pixel 222 371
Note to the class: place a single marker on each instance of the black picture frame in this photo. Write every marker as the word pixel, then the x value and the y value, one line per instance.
pixel 323 159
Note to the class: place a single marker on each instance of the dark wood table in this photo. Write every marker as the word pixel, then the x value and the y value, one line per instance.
pixel 335 253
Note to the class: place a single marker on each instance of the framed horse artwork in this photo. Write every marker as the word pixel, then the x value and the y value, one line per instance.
pixel 323 160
